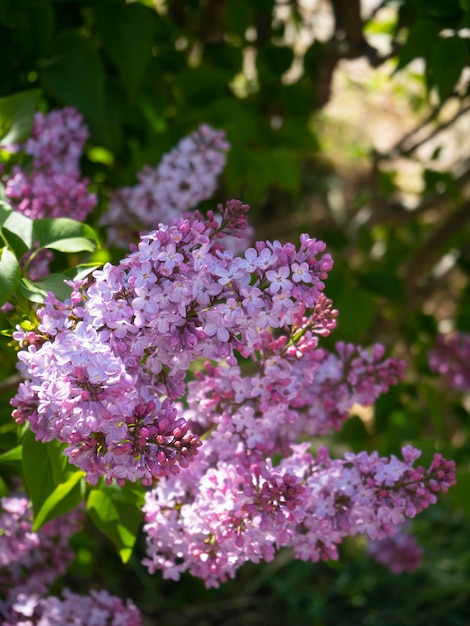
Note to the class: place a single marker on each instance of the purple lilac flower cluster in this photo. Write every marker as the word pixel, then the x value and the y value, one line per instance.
pixel 450 357
pixel 53 187
pixel 99 608
pixel 219 514
pixel 31 561
pixel 399 553
pixel 105 372
pixel 185 177
pixel 104 369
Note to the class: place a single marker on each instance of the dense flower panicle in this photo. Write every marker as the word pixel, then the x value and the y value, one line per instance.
pixel 106 372
pixel 450 357
pixel 298 391
pixel 54 186
pixel 57 140
pixel 99 608
pixel 218 515
pixel 104 369
pixel 31 561
pixel 399 553
pixel 184 177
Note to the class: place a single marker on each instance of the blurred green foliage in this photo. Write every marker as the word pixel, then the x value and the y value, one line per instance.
pixel 144 75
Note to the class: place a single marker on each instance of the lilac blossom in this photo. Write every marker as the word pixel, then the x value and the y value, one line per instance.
pixel 450 357
pixel 106 372
pixel 184 177
pixel 399 553
pixel 210 520
pixel 106 367
pixel 31 561
pixel 53 187
pixel 98 608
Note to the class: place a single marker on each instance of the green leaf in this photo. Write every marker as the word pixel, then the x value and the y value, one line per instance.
pixel 53 485
pixel 459 492
pixel 73 244
pixel 79 272
pixel 286 171
pixel 9 274
pixel 382 283
pixel 16 116
pixel 65 497
pixel 53 232
pixel 238 15
pixel 5 211
pixel 357 313
pixel 126 31
pixel 421 37
pixel 12 457
pixel 117 512
pixel 18 231
pixel 75 76
pixel 37 291
pixel 448 58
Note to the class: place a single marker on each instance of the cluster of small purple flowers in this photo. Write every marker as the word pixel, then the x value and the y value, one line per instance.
pixel 31 561
pixel 105 372
pixel 450 357
pixel 53 186
pixel 99 608
pixel 104 369
pixel 185 177
pixel 399 553
pixel 219 514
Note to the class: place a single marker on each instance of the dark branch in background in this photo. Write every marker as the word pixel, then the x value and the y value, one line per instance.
pixel 348 42
pixel 395 211
pixel 426 257
pixel 401 148
pixel 349 28
pixel 210 28
pixel 407 145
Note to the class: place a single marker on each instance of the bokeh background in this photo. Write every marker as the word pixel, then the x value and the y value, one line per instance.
pixel 348 120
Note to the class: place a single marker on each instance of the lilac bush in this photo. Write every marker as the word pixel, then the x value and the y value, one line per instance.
pixel 399 553
pixel 450 357
pixel 53 185
pixel 186 176
pixel 31 561
pixel 194 368
pixel 105 372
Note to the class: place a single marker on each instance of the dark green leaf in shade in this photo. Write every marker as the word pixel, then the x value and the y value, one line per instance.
pixel 54 486
pixel 9 274
pixel 381 282
pixel 448 58
pixel 74 75
pixel 358 310
pixel 117 512
pixel 459 492
pixel 421 38
pixel 17 229
pixel 126 34
pixel 12 457
pixel 238 16
pixel 16 116
pixel 37 291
